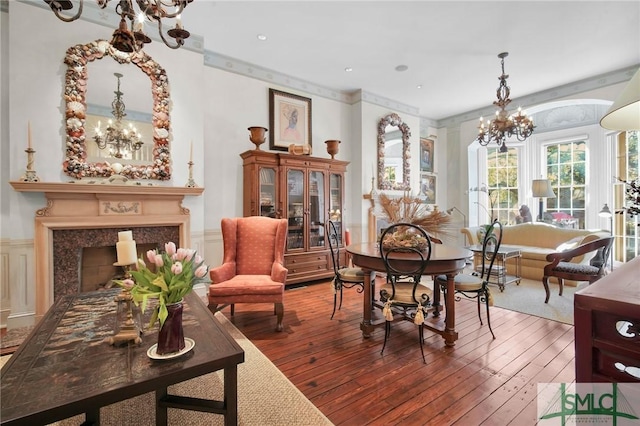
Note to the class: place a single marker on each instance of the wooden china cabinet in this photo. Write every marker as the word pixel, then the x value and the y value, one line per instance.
pixel 307 191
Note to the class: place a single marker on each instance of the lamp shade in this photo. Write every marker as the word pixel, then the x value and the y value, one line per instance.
pixel 605 212
pixel 541 188
pixel 624 114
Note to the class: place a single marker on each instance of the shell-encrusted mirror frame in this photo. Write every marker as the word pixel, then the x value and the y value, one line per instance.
pixel 75 165
pixel 394 119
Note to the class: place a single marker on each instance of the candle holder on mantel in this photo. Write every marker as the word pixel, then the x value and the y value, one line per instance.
pixel 191 183
pixel 128 324
pixel 30 174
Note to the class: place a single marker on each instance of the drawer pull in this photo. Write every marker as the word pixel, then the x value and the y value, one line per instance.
pixel 630 370
pixel 627 329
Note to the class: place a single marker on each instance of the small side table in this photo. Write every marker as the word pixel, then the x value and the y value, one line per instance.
pixel 499 274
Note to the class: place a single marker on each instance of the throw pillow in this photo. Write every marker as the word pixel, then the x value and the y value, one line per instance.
pixel 571 244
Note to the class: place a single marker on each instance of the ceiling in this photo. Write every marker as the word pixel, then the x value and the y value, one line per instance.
pixel 449 47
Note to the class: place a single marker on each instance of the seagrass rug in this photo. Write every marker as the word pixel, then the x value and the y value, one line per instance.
pixel 528 298
pixel 265 397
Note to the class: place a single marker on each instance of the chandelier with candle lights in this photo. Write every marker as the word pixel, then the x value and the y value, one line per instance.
pixel 122 140
pixel 130 36
pixel 504 126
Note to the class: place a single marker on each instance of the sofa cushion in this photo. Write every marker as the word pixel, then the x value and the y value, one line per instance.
pixel 571 244
pixel 536 253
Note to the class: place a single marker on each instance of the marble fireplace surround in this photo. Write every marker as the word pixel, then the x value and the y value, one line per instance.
pixel 76 206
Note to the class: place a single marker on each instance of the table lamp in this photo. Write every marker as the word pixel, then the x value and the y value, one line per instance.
pixel 541 188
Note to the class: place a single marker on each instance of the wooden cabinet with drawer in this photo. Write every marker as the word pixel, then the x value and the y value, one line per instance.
pixel 607 327
pixel 305 190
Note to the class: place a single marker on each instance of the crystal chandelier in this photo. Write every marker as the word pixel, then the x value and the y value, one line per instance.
pixel 121 141
pixel 130 36
pixel 504 126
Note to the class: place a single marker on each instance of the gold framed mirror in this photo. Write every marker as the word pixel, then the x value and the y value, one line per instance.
pixel 394 168
pixel 76 164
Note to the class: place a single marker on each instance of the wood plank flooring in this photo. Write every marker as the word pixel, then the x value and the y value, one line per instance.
pixel 480 381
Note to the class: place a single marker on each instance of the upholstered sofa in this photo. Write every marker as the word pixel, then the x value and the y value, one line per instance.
pixel 536 241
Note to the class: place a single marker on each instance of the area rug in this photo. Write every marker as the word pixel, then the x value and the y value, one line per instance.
pixel 265 397
pixel 528 298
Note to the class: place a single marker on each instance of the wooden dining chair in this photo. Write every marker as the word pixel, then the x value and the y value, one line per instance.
pixel 403 295
pixel 344 276
pixel 476 284
pixel 562 267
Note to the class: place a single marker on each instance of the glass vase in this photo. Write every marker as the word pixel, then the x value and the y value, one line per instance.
pixel 171 335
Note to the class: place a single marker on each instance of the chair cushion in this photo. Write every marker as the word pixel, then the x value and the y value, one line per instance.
pixel 404 291
pixel 351 274
pixel 247 285
pixel 576 268
pixel 464 282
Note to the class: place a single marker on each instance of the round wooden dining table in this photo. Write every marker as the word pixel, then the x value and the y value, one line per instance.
pixel 445 260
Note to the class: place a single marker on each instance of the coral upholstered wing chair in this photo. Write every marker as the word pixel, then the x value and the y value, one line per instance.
pixel 253 269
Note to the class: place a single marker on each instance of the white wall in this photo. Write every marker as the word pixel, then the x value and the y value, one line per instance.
pixel 232 104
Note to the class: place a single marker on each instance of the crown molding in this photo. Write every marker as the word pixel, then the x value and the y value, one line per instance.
pixel 549 95
pixel 227 63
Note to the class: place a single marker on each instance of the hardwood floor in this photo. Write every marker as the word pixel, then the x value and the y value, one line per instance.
pixel 480 381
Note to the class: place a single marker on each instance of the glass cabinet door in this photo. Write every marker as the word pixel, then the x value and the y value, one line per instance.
pixel 335 203
pixel 295 209
pixel 267 192
pixel 317 210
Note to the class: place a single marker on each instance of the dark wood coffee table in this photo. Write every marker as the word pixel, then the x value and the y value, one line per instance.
pixel 64 368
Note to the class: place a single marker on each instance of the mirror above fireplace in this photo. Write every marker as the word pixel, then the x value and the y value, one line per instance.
pixel 79 82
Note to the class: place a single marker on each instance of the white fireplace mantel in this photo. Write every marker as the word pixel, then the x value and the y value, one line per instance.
pixel 86 206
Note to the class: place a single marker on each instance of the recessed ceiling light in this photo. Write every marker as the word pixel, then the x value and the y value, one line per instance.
pixel 419 86
pixel 262 37
pixel 401 68
pixel 348 69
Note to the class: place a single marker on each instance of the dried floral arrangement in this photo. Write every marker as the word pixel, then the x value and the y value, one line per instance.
pixel 411 209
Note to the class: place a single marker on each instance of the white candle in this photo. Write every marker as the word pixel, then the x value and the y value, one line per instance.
pixel 29 134
pixel 191 153
pixel 125 236
pixel 126 251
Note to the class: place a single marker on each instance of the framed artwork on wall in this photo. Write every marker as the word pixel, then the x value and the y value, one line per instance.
pixel 428 187
pixel 426 155
pixel 290 120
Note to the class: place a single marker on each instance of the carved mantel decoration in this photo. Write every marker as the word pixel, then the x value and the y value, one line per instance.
pixel 83 206
pixel 75 93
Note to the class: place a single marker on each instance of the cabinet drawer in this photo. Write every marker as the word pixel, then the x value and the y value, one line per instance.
pixel 606 324
pixel 612 365
pixel 307 264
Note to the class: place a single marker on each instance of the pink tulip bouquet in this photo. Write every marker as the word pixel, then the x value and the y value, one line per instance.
pixel 169 277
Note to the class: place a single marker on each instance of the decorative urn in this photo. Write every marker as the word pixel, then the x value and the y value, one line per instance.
pixel 332 147
pixel 257 135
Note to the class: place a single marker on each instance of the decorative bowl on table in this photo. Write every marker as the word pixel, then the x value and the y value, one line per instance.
pixel 404 240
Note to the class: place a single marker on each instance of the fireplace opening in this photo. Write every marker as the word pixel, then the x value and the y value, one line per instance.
pixel 70 245
pixel 97 267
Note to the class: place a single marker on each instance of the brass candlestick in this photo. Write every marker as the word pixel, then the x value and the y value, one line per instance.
pixel 128 326
pixel 30 174
pixel 191 183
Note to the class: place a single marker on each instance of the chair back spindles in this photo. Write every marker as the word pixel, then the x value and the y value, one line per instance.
pixel 490 247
